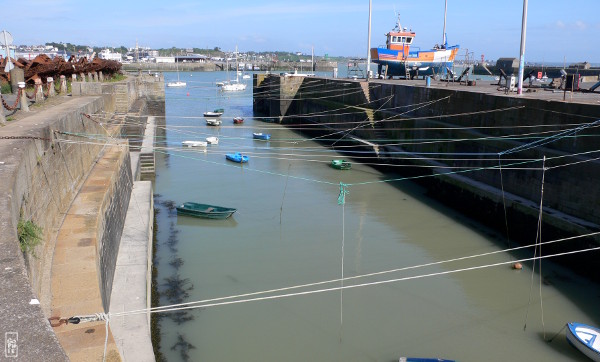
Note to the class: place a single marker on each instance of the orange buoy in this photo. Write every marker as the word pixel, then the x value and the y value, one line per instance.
pixel 517 266
pixel 188 94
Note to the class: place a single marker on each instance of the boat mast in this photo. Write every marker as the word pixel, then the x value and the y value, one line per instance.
pixel 522 53
pixel 312 59
pixel 237 66
pixel 369 44
pixel 444 34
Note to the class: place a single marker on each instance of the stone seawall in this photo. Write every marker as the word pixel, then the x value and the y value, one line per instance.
pixel 46 158
pixel 399 120
pixel 111 219
pixel 40 178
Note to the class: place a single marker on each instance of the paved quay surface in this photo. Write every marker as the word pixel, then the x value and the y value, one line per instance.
pixel 20 310
pixel 75 279
pixel 131 284
pixel 488 87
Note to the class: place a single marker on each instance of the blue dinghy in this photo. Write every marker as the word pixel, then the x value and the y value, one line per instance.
pixel 585 338
pixel 237 157
pixel 261 136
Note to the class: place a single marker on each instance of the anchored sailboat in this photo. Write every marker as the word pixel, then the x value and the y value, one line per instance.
pixel 178 83
pixel 234 86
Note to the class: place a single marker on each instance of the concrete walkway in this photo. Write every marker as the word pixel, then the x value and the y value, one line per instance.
pixel 75 278
pixel 131 284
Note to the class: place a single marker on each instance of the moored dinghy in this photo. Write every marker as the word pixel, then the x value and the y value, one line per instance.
pixel 194 143
pixel 341 164
pixel 238 120
pixel 205 210
pixel 213 122
pixel 261 136
pixel 216 113
pixel 585 338
pixel 212 140
pixel 237 157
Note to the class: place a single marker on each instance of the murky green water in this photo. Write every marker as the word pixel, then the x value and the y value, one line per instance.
pixel 289 230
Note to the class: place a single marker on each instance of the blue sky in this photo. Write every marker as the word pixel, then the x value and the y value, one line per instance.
pixel 556 29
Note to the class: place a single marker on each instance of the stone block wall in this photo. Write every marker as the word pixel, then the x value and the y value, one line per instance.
pixel 487 125
pixel 111 220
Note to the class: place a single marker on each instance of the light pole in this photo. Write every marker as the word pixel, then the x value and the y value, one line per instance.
pixel 369 44
pixel 444 34
pixel 522 53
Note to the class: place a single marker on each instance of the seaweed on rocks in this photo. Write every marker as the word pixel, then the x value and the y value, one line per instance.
pixel 176 292
pixel 181 316
pixel 172 240
pixel 176 262
pixel 184 347
pixel 177 288
pixel 155 334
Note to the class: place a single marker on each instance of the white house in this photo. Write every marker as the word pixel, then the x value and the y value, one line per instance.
pixel 164 59
pixel 108 55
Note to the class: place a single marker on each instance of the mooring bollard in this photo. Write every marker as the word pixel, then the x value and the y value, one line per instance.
pixel 50 85
pixel 39 91
pixel 24 104
pixel 63 84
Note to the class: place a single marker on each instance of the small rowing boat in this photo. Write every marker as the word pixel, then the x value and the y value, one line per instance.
pixel 237 157
pixel 213 122
pixel 238 120
pixel 585 338
pixel 216 113
pixel 212 140
pixel 341 164
pixel 194 143
pixel 261 136
pixel 205 211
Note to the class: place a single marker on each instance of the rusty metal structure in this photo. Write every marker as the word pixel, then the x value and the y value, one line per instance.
pixel 42 67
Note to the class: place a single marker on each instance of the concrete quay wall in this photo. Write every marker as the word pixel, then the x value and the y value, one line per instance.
pixel 395 117
pixel 44 166
pixel 40 178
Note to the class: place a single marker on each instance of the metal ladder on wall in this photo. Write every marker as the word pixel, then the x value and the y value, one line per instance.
pixel 407 71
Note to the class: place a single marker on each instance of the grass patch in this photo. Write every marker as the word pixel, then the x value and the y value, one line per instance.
pixel 30 236
pixel 117 77
pixel 5 88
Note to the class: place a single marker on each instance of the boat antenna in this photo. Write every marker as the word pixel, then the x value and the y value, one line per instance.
pixel 444 33
pixel 398 25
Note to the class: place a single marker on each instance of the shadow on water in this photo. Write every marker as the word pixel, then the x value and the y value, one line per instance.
pixel 573 285
pixel 562 347
pixel 183 220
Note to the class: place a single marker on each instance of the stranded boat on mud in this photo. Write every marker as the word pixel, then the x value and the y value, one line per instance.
pixel 396 59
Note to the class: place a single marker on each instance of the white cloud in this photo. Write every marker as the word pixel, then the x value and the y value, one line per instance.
pixel 580 25
pixel 560 24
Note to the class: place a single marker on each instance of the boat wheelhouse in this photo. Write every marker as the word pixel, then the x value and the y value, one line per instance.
pixel 397 58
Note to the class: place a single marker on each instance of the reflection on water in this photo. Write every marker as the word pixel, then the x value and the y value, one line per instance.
pixel 185 220
pixel 289 231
